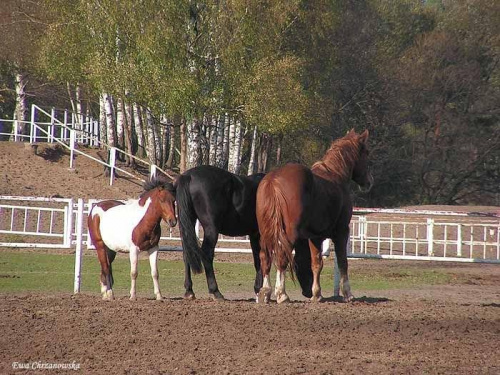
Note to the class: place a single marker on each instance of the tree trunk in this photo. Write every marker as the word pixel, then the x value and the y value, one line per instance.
pixel 103 136
pixel 264 149
pixel 193 139
pixel 220 142
pixel 139 131
pixel 129 131
pixel 251 163
pixel 231 146
pixel 183 161
pixel 150 131
pixel 171 149
pixel 237 147
pixel 214 133
pixel 21 109
pixel 120 119
pixel 110 120
pixel 278 150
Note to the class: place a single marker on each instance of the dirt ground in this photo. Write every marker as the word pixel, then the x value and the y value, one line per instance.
pixel 446 329
pixel 453 328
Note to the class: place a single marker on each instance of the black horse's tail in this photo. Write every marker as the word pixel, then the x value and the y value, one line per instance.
pixel 187 216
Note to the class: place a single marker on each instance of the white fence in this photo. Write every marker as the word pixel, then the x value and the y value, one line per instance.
pixel 69 130
pixel 375 233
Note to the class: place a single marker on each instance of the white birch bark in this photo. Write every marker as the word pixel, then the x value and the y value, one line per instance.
pixel 183 139
pixel 120 119
pixel 110 120
pixel 129 129
pixel 237 147
pixel 21 109
pixel 231 146
pixel 193 143
pixel 212 159
pixel 103 136
pixel 171 147
pixel 139 130
pixel 151 142
pixel 220 160
pixel 79 107
pixel 251 163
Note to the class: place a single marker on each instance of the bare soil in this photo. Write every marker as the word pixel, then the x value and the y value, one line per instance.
pixel 446 329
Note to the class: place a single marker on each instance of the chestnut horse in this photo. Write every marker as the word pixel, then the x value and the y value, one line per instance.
pixel 298 207
pixel 131 227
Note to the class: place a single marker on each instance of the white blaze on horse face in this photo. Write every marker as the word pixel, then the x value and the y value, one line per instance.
pixel 118 223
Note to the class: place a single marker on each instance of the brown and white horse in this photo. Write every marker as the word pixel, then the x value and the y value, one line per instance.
pixel 131 227
pixel 298 207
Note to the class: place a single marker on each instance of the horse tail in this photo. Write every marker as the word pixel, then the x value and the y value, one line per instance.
pixel 187 217
pixel 271 211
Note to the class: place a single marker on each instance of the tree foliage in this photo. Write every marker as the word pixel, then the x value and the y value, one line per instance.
pixel 422 76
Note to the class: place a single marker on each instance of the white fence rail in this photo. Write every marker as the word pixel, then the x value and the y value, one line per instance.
pixel 375 233
pixel 68 130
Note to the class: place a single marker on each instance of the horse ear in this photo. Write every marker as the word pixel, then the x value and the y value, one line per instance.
pixel 350 131
pixel 363 137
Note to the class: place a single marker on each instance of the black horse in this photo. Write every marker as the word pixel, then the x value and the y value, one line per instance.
pixel 223 203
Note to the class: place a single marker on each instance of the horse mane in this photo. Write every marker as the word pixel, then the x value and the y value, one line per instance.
pixel 340 158
pixel 157 182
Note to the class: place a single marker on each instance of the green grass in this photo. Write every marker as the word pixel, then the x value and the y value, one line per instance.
pixel 41 272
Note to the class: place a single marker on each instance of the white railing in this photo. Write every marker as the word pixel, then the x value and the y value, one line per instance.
pixel 80 130
pixel 36 222
pixel 425 235
pixel 375 233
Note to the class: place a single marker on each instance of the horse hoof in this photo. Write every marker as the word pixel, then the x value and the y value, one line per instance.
pixel 159 297
pixel 133 298
pixel 217 296
pixel 316 299
pixel 189 296
pixel 283 298
pixel 264 295
pixel 108 296
pixel 349 298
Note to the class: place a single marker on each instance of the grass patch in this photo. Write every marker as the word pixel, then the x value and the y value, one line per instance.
pixel 41 272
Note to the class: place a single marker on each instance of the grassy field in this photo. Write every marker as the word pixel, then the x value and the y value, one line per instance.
pixel 22 272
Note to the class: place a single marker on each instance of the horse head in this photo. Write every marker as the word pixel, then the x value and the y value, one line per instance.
pixel 361 173
pixel 167 203
pixel 163 196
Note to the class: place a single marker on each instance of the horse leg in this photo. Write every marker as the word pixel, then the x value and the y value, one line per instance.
pixel 340 242
pixel 279 290
pixel 302 264
pixel 153 259
pixel 264 295
pixel 188 282
pixel 254 243
pixel 207 248
pixel 133 272
pixel 316 267
pixel 111 257
pixel 106 279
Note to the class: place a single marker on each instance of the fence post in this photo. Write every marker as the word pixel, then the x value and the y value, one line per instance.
pixel 64 129
pixel 459 240
pixel 32 125
pixel 71 148
pixel 430 237
pixel 79 247
pixel 16 134
pixel 68 224
pixel 112 162
pixel 50 136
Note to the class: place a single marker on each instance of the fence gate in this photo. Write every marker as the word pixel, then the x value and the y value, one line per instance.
pixel 36 222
